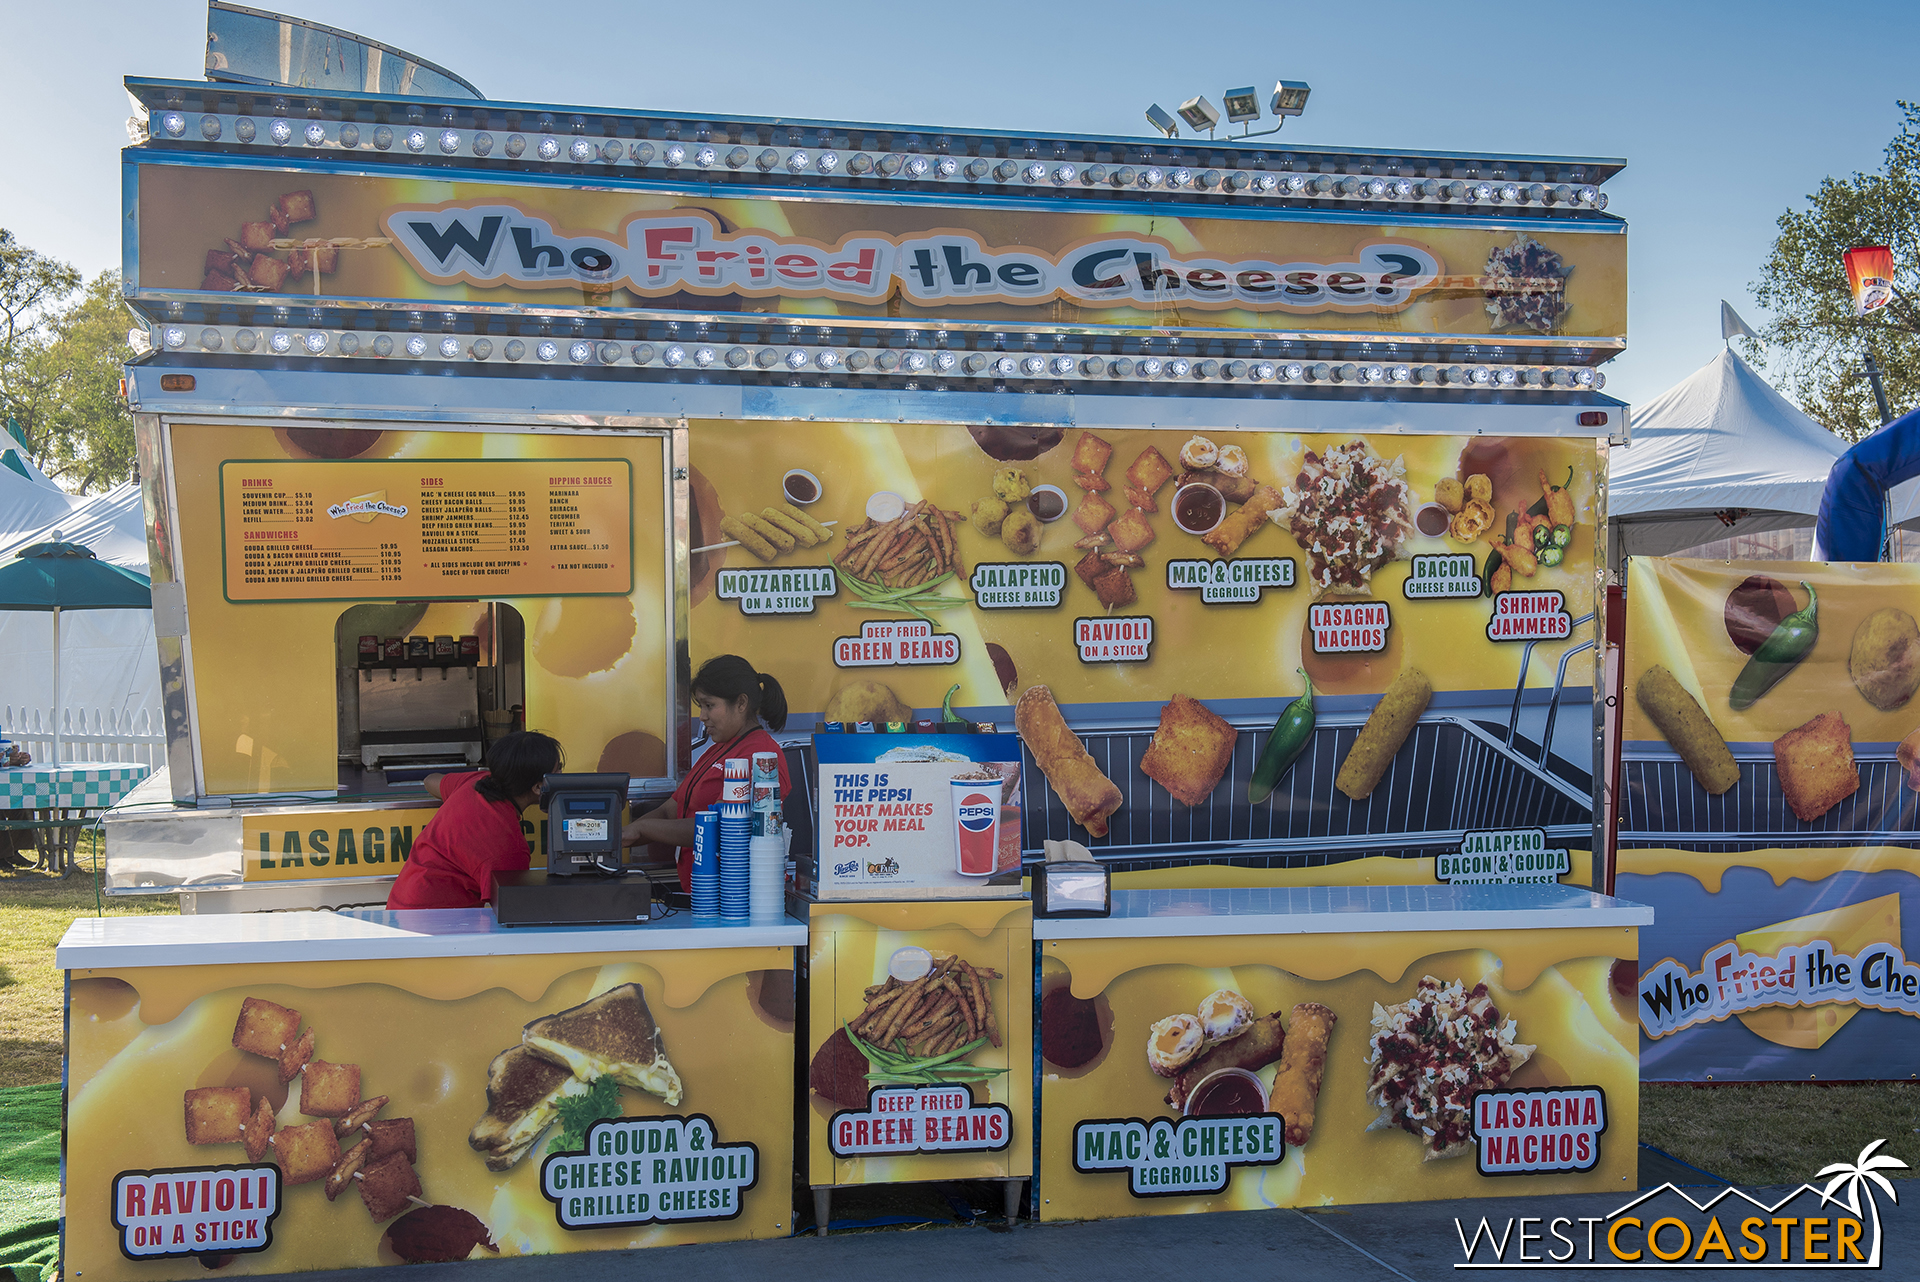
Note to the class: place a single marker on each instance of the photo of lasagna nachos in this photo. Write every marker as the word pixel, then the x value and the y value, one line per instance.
pixel 1350 511
pixel 1431 1054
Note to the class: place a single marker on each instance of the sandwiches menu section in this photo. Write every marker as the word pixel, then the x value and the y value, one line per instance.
pixel 351 1114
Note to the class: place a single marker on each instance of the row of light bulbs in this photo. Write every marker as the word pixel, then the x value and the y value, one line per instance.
pixel 911 362
pixel 420 139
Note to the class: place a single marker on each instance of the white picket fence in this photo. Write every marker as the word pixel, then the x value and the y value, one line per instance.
pixel 88 734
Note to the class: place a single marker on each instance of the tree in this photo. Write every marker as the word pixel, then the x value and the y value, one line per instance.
pixel 66 394
pixel 1815 343
pixel 61 355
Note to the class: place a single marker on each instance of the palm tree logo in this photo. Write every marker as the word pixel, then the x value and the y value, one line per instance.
pixel 1855 1176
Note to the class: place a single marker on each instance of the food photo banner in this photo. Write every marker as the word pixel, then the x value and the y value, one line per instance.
pixel 1210 643
pixel 279 232
pixel 1222 1073
pixel 279 1117
pixel 1770 814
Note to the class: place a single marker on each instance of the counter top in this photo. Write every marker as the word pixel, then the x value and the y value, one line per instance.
pixel 1343 910
pixel 372 934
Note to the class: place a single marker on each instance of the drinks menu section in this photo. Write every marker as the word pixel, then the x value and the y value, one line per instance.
pixel 299 530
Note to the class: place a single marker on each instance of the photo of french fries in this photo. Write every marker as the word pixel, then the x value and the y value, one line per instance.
pixel 897 565
pixel 948 1007
pixel 378 1154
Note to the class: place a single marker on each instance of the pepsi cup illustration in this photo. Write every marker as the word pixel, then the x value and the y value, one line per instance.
pixel 976 825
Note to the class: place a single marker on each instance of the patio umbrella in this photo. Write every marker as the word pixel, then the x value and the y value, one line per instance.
pixel 66 576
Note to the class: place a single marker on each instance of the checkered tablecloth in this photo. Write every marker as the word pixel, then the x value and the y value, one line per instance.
pixel 76 786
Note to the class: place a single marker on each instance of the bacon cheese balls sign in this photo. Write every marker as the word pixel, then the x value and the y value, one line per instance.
pixel 415 239
pixel 1769 744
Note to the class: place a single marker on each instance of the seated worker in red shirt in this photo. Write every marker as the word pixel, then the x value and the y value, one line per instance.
pixel 477 829
pixel 732 699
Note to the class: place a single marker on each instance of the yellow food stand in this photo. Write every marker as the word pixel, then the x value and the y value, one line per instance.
pixel 1250 500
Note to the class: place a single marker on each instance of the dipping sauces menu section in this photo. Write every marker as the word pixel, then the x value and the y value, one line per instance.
pixel 297 530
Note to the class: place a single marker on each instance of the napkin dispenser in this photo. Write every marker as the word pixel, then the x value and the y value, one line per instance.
pixel 1071 883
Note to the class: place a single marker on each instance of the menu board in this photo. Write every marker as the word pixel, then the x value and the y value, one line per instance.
pixel 417 529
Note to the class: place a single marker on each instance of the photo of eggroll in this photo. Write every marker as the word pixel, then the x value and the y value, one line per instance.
pixel 1391 721
pixel 1260 1045
pixel 767 530
pixel 1226 537
pixel 1683 723
pixel 801 535
pixel 1296 1085
pixel 1089 795
pixel 748 539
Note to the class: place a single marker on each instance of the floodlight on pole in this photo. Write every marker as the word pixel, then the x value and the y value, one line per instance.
pixel 1289 97
pixel 1241 105
pixel 1162 122
pixel 1200 114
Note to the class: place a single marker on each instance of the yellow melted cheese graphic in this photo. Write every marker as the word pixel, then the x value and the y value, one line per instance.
pixel 1849 929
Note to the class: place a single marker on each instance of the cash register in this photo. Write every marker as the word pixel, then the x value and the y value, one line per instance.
pixel 586 882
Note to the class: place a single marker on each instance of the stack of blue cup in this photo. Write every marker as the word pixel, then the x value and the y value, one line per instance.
pixel 706 864
pixel 736 836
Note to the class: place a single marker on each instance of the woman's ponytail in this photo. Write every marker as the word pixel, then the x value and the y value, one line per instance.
pixel 728 677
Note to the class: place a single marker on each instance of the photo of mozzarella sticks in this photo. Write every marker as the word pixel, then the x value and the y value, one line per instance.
pixel 1388 726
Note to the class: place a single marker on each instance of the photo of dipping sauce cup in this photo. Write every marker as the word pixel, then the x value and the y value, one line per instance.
pixel 1431 519
pixel 800 486
pixel 1047 503
pixel 885 505
pixel 1227 1092
pixel 1198 507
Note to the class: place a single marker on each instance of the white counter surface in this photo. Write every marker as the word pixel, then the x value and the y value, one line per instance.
pixel 373 934
pixel 1343 910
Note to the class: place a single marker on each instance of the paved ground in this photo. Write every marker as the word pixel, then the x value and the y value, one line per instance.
pixel 1413 1242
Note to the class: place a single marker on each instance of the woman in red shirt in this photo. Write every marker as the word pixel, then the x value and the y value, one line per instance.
pixel 476 831
pixel 732 699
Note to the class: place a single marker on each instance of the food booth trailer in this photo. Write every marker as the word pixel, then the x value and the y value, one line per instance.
pixel 1243 503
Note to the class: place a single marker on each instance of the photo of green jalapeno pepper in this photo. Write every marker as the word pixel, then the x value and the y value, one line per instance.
pixel 1486 574
pixel 1790 642
pixel 1289 738
pixel 1562 535
pixel 1552 556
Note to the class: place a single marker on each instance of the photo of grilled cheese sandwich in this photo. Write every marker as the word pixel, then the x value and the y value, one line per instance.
pixel 523 1091
pixel 612 1035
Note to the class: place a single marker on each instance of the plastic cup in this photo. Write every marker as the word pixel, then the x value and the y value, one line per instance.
pixel 976 825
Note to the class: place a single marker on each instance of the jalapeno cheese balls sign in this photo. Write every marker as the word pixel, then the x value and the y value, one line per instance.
pixel 1767 801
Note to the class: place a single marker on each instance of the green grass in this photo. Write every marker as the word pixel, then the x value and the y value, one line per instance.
pixel 1780 1132
pixel 35 910
pixel 29 1180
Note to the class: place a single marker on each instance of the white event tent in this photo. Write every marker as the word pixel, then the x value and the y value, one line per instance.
pixel 110 667
pixel 1719 455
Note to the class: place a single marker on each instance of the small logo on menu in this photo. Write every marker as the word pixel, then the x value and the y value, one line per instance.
pixel 888 867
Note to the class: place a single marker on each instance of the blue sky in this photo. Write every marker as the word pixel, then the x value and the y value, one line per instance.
pixel 1727 114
